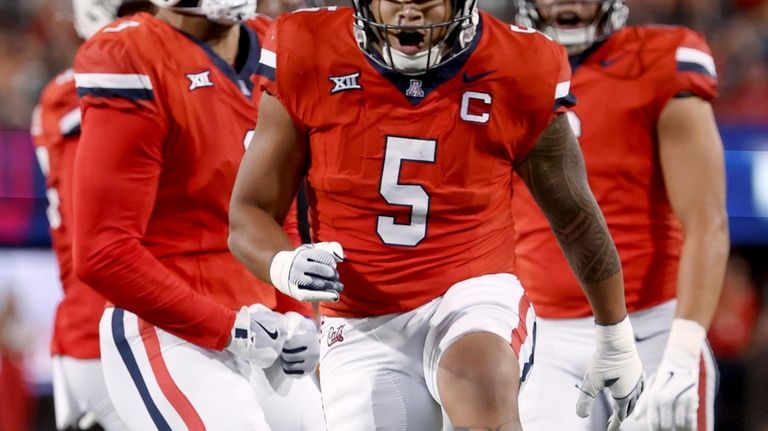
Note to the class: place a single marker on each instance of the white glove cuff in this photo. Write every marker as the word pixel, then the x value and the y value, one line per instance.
pixel 686 339
pixel 618 337
pixel 280 270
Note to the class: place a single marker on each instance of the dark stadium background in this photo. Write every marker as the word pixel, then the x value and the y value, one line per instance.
pixel 37 41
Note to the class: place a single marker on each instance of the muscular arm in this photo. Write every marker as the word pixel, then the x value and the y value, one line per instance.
pixel 266 185
pixel 555 174
pixel 691 156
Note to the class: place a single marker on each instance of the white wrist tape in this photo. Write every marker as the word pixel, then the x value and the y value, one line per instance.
pixel 617 337
pixel 280 270
pixel 686 339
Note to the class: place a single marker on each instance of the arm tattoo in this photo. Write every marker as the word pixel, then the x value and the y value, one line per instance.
pixel 555 174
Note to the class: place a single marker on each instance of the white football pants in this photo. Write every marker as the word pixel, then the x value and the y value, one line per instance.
pixel 380 373
pixel 158 381
pixel 564 349
pixel 79 393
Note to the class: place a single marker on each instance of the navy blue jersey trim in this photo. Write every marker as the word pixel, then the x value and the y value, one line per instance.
pixel 117 93
pixel 266 71
pixel 118 333
pixel 434 77
pixel 683 66
pixel 251 65
pixel 72 132
pixel 577 60
pixel 568 101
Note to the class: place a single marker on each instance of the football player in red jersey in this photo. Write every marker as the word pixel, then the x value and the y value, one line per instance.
pixel 655 164
pixel 408 118
pixel 80 395
pixel 167 104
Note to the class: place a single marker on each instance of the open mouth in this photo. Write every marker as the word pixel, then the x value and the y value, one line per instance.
pixel 569 20
pixel 409 42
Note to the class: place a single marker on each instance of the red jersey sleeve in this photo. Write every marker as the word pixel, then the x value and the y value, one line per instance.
pixel 265 76
pixel 108 74
pixel 117 171
pixel 563 97
pixel 278 52
pixel 693 68
pixel 549 92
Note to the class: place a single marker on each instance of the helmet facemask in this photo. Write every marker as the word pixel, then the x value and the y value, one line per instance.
pixel 224 12
pixel 373 38
pixel 610 16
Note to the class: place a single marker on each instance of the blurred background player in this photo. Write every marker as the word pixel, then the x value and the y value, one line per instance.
pixel 655 164
pixel 273 8
pixel 80 395
pixel 167 104
pixel 409 151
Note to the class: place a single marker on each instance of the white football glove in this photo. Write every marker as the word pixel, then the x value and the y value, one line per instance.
pixel 309 272
pixel 616 366
pixel 672 399
pixel 258 335
pixel 301 351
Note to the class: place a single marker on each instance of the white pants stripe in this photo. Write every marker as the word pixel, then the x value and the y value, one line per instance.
pixel 158 381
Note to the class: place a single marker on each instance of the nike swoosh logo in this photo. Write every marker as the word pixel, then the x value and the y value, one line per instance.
pixel 472 78
pixel 610 61
pixel 272 334
pixel 648 337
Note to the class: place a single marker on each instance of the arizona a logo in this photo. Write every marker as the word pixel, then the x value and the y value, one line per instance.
pixel 416 89
pixel 199 80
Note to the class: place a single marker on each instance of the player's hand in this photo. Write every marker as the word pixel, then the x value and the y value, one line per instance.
pixel 672 399
pixel 309 272
pixel 616 366
pixel 258 335
pixel 301 351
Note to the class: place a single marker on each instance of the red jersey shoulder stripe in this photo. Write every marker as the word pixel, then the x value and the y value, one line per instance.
pixel 130 86
pixel 695 60
pixel 69 124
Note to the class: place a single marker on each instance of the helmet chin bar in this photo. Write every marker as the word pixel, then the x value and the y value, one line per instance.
pixel 575 40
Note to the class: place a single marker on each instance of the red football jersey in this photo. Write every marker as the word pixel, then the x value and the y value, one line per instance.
pixel 412 175
pixel 55 132
pixel 158 227
pixel 621 87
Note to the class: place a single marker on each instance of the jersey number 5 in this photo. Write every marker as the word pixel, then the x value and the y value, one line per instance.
pixel 397 150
